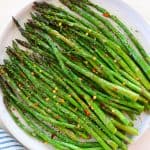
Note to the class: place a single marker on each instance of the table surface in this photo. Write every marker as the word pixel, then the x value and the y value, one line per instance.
pixel 8 8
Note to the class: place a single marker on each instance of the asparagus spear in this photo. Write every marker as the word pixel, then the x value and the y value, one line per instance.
pixel 88 128
pixel 109 49
pixel 91 19
pixel 127 82
pixel 33 65
pixel 97 110
pixel 110 44
pixel 42 75
pixel 123 26
pixel 45 4
pixel 110 26
pixel 142 90
pixel 76 143
pixel 49 8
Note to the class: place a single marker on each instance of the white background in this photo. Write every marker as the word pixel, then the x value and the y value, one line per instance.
pixel 9 7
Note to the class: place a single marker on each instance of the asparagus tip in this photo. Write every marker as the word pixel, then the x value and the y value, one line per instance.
pixel 22 43
pixel 38 4
pixel 9 50
pixel 35 3
pixel 65 2
pixel 17 24
pixel 15 45
pixel 30 21
pixel 1 69
pixel 15 21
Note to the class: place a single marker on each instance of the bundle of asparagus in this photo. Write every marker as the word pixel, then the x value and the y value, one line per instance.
pixel 76 82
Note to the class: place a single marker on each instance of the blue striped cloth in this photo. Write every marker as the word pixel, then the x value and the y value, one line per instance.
pixel 7 142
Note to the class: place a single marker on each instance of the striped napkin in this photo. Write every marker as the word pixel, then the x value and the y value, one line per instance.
pixel 7 142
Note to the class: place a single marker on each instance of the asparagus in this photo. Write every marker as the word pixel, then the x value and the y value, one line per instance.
pixel 102 83
pixel 56 143
pixel 54 33
pixel 48 8
pixel 72 43
pixel 39 42
pixel 94 133
pixel 122 127
pixel 99 96
pixel 73 102
pixel 12 97
pixel 130 85
pixel 46 13
pixel 86 108
pixel 64 75
pixel 117 33
pixel 100 114
pixel 59 116
pixel 40 69
pixel 124 27
pixel 114 18
pixel 33 65
pixel 65 138
pixel 36 114
pixel 91 19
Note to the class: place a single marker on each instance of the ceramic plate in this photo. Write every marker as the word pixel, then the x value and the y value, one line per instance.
pixel 133 20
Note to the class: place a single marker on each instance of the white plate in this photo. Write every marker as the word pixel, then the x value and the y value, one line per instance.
pixel 118 7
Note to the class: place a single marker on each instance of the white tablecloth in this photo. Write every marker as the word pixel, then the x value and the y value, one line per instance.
pixel 9 7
